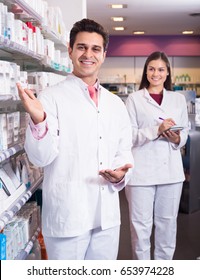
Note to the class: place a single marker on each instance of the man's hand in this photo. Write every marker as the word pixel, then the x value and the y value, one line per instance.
pixel 31 104
pixel 115 176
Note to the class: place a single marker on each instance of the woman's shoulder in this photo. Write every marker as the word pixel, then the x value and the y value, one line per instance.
pixel 137 93
pixel 175 94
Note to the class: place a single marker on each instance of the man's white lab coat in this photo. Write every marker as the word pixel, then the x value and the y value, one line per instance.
pixel 81 140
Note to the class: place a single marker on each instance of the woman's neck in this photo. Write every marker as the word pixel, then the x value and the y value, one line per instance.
pixel 155 90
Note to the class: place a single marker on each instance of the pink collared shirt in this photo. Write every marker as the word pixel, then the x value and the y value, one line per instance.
pixel 38 130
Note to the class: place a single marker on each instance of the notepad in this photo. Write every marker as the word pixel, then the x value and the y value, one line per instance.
pixel 176 128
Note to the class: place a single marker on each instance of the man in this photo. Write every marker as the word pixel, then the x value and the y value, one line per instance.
pixel 84 146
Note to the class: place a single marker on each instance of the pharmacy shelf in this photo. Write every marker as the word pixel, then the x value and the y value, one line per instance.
pixel 55 37
pixel 19 50
pixel 10 105
pixel 187 83
pixel 54 67
pixel 26 13
pixel 10 152
pixel 17 204
pixel 27 56
pixel 26 251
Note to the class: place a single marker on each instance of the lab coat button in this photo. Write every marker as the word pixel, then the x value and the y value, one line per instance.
pixel 100 163
pixel 102 188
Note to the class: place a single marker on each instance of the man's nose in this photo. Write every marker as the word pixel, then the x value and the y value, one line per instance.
pixel 88 52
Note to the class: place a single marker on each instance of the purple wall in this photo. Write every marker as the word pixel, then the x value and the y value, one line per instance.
pixel 144 45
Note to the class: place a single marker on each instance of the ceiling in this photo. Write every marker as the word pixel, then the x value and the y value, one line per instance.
pixel 155 17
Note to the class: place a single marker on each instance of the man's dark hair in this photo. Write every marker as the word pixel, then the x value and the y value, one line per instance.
pixel 155 56
pixel 88 25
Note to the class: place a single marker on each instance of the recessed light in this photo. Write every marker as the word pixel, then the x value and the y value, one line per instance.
pixel 117 6
pixel 138 32
pixel 188 32
pixel 117 18
pixel 119 28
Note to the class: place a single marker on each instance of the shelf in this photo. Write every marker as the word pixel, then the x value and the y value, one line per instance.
pixel 10 105
pixel 10 152
pixel 19 50
pixel 54 67
pixel 186 83
pixel 27 56
pixel 17 204
pixel 27 13
pixel 25 252
pixel 55 37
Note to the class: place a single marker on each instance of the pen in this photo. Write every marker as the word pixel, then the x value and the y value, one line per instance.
pixel 161 119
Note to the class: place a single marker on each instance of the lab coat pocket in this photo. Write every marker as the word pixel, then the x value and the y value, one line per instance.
pixel 70 197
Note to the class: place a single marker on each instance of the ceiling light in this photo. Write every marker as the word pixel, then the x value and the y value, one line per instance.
pixel 119 28
pixel 138 32
pixel 117 6
pixel 117 18
pixel 188 32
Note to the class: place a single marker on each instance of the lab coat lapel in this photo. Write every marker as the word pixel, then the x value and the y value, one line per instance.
pixel 155 109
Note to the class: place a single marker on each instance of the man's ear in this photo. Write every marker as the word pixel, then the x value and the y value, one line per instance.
pixel 104 55
pixel 69 51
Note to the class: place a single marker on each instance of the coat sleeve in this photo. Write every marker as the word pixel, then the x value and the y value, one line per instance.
pixel 124 154
pixel 183 122
pixel 44 151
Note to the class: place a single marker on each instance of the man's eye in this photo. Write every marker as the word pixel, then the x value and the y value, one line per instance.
pixel 97 49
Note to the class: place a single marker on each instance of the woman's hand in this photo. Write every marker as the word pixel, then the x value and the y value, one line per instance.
pixel 31 104
pixel 172 136
pixel 165 125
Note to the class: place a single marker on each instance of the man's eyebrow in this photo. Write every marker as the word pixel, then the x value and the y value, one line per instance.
pixel 93 46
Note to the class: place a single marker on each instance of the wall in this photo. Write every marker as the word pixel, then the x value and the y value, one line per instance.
pixel 115 69
pixel 144 45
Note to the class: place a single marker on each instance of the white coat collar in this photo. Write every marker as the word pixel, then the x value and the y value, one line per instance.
pixel 81 82
pixel 151 101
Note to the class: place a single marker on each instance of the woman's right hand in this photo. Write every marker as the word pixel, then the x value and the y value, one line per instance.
pixel 31 104
pixel 165 125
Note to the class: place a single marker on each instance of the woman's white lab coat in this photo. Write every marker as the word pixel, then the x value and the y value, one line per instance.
pixel 81 140
pixel 157 161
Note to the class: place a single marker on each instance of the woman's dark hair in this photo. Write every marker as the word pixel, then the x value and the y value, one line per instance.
pixel 88 25
pixel 154 56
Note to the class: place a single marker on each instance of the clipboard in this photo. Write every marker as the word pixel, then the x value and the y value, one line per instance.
pixel 176 128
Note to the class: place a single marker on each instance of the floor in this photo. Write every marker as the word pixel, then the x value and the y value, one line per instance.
pixel 188 234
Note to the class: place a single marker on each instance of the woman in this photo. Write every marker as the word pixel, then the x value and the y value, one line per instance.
pixel 154 190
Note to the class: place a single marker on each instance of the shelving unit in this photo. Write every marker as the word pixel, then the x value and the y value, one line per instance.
pixel 18 203
pixel 39 61
pixel 29 61
pixel 25 252
pixel 189 86
pixel 29 14
pixel 10 152
pixel 42 62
